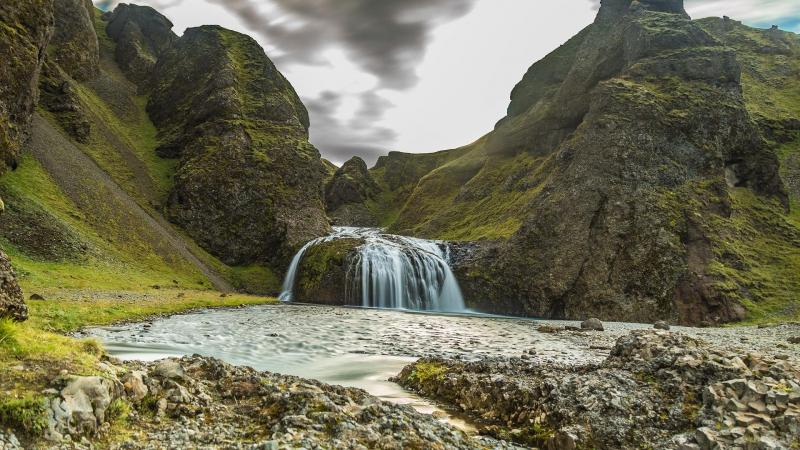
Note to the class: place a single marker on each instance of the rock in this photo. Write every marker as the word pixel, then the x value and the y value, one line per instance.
pixel 75 41
pixel 12 304
pixel 593 324
pixel 81 406
pixel 661 325
pixel 346 192
pixel 36 297
pixel 794 340
pixel 322 274
pixel 257 197
pixel 59 96
pixel 170 369
pixel 133 383
pixel 142 35
pixel 548 329
pixel 27 27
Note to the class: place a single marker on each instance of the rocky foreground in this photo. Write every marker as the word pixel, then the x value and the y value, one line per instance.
pixel 198 402
pixel 656 389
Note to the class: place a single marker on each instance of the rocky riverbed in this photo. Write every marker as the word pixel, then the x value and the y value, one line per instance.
pixel 543 384
pixel 656 389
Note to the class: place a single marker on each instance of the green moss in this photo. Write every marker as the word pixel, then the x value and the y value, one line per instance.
pixel 27 414
pixel 425 371
pixel 320 259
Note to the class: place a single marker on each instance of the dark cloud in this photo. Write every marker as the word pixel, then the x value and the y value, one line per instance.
pixel 360 136
pixel 386 38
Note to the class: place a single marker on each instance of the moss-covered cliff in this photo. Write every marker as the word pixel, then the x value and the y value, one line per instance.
pixel 248 186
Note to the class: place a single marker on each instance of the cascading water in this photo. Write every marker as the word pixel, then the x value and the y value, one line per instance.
pixel 391 272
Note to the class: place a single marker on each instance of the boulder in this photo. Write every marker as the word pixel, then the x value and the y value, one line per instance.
pixel 80 407
pixel 326 274
pixel 12 303
pixel 134 385
pixel 593 324
pixel 661 325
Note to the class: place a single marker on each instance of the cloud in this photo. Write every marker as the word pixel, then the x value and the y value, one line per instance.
pixel 339 142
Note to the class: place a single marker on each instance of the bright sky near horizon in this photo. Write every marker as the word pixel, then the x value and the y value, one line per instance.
pixel 415 75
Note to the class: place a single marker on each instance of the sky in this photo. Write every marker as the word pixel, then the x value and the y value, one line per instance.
pixel 415 75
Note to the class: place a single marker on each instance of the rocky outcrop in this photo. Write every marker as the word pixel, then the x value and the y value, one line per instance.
pixel 59 97
pixel 75 39
pixel 142 35
pixel 12 304
pixel 197 402
pixel 326 272
pixel 248 187
pixel 651 389
pixel 346 192
pixel 28 27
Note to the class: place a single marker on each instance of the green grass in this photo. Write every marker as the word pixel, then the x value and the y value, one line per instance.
pixel 425 371
pixel 117 261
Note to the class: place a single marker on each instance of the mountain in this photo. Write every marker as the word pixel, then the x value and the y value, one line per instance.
pixel 646 169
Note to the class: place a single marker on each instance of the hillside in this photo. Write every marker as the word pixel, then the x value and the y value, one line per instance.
pixel 104 198
pixel 655 177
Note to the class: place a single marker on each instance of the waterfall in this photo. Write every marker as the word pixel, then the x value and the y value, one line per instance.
pixel 391 272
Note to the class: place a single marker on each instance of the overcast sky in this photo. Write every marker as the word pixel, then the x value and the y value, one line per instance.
pixel 415 75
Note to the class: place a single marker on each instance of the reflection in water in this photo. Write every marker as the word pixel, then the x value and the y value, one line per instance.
pixel 347 346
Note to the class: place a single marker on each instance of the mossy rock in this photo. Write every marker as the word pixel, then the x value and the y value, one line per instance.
pixel 325 274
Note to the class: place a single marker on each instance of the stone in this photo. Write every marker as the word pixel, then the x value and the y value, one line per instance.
pixel 706 438
pixel 170 369
pixel 661 325
pixel 593 324
pixel 75 40
pixel 35 297
pixel 134 385
pixel 794 340
pixel 548 329
pixel 81 406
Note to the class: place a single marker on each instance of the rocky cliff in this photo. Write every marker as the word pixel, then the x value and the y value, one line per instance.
pixel 346 193
pixel 631 178
pixel 249 184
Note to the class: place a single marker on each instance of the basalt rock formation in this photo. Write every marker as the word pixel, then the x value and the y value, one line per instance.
pixel 248 187
pixel 142 35
pixel 78 50
pixel 28 27
pixel 347 191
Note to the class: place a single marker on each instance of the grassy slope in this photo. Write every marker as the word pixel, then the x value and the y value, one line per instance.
pixel 468 195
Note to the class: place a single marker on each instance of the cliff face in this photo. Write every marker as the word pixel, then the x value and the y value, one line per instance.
pixel 249 184
pixel 74 37
pixel 27 29
pixel 626 182
pixel 141 35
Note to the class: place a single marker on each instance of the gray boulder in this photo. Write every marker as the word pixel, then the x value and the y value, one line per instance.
pixel 593 324
pixel 661 325
pixel 81 406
